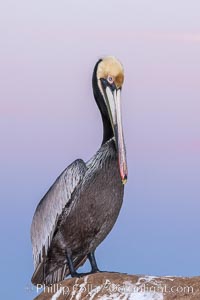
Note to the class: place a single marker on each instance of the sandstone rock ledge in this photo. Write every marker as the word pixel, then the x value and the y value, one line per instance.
pixel 107 286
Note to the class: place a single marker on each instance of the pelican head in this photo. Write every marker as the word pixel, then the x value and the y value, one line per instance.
pixel 108 78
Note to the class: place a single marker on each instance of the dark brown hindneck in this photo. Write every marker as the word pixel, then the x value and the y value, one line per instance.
pixel 107 127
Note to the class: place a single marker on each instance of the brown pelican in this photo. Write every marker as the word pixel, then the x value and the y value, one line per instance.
pixel 81 207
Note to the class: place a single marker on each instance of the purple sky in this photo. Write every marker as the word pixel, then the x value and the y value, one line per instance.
pixel 48 118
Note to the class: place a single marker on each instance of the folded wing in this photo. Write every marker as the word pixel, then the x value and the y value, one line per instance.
pixel 50 208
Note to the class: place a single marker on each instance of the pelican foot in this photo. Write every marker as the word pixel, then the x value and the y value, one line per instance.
pixel 75 274
pixel 79 275
pixel 113 272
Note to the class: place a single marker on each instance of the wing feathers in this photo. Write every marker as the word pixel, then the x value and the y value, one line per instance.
pixel 50 207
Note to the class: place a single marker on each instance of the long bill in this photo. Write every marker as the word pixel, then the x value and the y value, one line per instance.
pixel 114 109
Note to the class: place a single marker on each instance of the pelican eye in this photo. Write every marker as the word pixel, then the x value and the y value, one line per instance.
pixel 110 79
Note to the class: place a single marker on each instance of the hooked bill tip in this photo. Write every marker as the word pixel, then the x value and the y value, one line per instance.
pixel 124 180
